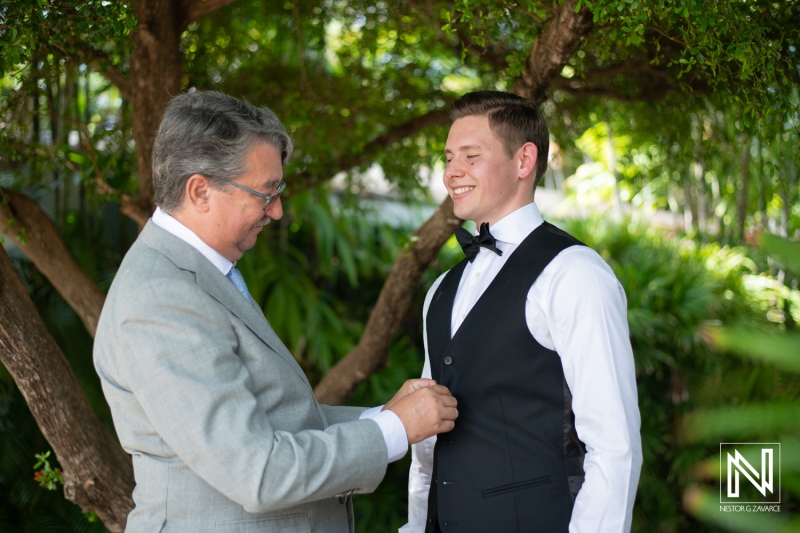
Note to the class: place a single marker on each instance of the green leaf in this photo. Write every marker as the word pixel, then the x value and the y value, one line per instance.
pixel 704 504
pixel 740 422
pixel 780 349
pixel 785 251
pixel 76 157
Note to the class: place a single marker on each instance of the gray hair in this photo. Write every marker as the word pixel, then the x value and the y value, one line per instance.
pixel 209 133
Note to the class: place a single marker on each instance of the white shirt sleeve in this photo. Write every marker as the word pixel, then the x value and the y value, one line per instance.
pixel 419 476
pixel 586 314
pixel 394 432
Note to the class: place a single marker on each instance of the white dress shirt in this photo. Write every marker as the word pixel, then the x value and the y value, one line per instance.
pixel 394 433
pixel 577 308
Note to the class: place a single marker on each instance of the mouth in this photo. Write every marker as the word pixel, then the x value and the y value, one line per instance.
pixel 263 222
pixel 461 190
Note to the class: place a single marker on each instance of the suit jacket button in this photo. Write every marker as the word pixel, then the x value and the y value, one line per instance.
pixel 448 360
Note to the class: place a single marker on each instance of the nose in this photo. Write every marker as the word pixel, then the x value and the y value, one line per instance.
pixel 452 170
pixel 275 209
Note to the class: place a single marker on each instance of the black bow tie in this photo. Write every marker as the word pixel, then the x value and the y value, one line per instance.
pixel 472 244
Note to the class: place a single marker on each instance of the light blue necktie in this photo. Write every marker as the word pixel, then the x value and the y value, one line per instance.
pixel 238 281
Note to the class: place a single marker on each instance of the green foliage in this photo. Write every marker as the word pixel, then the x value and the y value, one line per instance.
pixel 24 505
pixel 48 477
pixel 773 419
pixel 728 42
pixel 29 31
pixel 691 158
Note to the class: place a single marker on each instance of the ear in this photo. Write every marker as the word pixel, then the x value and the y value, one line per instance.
pixel 528 154
pixel 197 193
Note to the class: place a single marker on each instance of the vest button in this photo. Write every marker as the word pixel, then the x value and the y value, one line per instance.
pixel 448 360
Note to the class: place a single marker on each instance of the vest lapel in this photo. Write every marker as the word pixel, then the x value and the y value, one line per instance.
pixel 440 312
pixel 535 250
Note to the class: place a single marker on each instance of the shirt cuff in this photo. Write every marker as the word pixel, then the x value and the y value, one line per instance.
pixel 394 432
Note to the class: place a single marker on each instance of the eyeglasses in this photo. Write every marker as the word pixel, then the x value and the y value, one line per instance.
pixel 268 198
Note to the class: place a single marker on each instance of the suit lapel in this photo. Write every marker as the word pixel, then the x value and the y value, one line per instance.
pixel 211 280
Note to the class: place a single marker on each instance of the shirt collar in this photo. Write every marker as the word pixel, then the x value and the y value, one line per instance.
pixel 514 227
pixel 172 225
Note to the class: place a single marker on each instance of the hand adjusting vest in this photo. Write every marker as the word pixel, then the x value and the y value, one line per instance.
pixel 514 462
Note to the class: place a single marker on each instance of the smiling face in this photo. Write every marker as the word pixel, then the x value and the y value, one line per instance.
pixel 235 217
pixel 483 181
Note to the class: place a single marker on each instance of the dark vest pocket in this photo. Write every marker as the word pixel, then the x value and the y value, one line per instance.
pixel 517 485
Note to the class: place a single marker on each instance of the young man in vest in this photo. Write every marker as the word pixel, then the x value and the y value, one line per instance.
pixel 530 334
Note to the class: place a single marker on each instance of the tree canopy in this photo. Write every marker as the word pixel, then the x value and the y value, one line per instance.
pixel 689 106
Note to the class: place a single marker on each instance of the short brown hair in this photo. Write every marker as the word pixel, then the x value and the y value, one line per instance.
pixel 512 118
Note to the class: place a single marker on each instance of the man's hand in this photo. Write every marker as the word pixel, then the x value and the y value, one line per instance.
pixel 408 387
pixel 426 411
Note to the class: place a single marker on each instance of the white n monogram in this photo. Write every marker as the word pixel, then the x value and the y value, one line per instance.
pixel 762 482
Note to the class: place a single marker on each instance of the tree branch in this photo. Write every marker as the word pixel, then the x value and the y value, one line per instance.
pixel 196 9
pixel 585 92
pixel 138 211
pixel 552 50
pixel 99 61
pixel 398 133
pixel 393 303
pixel 97 473
pixel 381 142
pixel 113 75
pixel 24 222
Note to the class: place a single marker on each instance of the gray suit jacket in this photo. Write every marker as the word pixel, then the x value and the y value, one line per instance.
pixel 220 419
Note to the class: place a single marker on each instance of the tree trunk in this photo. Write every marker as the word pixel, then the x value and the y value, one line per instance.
pixel 696 180
pixel 741 205
pixel 689 213
pixel 155 78
pixel 24 222
pixel 787 186
pixel 763 190
pixel 698 171
pixel 97 473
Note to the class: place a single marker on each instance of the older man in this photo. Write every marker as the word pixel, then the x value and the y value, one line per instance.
pixel 221 422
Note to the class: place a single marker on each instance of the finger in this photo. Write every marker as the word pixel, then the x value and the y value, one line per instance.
pixel 451 413
pixel 416 384
pixel 441 389
pixel 446 426
pixel 448 401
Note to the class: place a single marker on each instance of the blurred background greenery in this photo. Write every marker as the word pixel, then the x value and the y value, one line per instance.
pixel 676 166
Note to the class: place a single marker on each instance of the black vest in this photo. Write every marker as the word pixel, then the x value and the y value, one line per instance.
pixel 514 462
